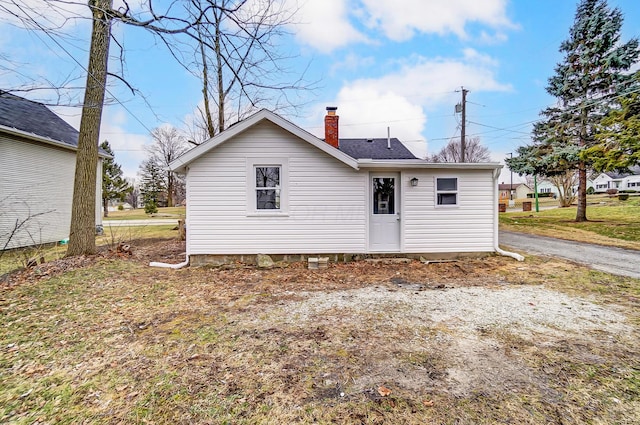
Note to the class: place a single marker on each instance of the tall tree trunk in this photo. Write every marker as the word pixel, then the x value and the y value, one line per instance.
pixel 581 212
pixel 205 92
pixel 221 92
pixel 82 239
pixel 105 207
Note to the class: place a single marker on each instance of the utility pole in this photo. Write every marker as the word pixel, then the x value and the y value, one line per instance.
pixel 463 128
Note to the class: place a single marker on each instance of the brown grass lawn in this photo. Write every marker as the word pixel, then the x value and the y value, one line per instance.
pixel 108 339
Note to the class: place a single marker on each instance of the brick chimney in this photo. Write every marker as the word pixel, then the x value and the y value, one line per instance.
pixel 331 127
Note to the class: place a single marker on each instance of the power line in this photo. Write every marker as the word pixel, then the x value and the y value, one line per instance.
pixel 79 64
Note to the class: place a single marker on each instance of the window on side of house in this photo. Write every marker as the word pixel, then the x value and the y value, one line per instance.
pixel 447 191
pixel 268 189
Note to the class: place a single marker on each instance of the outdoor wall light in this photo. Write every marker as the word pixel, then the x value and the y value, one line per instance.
pixel 414 181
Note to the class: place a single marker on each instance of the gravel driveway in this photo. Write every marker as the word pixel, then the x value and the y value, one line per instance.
pixel 618 261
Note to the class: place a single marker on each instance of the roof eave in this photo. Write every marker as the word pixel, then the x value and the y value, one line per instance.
pixel 45 140
pixel 419 163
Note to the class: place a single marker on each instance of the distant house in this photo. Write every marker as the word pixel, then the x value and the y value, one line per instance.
pixel 37 162
pixel 267 186
pixel 619 181
pixel 520 190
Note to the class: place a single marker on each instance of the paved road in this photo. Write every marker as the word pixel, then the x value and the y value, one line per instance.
pixel 622 262
pixel 142 222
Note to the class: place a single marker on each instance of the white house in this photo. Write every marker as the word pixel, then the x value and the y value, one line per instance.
pixel 37 161
pixel 267 186
pixel 519 190
pixel 620 181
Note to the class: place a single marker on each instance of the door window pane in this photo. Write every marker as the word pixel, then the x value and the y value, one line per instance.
pixel 384 195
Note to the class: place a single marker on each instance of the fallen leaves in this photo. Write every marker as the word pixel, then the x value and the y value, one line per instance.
pixel 384 391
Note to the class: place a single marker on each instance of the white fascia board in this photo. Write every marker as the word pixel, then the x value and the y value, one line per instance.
pixel 45 140
pixel 183 161
pixel 421 164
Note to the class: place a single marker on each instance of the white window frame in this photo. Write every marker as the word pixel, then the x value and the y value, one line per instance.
pixel 444 192
pixel 252 165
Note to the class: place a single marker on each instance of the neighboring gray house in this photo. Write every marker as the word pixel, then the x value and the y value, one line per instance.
pixel 267 186
pixel 37 162
pixel 619 181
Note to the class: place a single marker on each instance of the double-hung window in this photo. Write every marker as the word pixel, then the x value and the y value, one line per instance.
pixel 268 187
pixel 447 191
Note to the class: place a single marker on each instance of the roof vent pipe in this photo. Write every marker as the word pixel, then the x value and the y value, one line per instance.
pixel 388 138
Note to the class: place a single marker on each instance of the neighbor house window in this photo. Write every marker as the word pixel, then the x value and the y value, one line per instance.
pixel 268 187
pixel 447 191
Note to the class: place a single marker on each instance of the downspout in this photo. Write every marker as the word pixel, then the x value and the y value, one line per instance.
pixel 170 266
pixel 496 175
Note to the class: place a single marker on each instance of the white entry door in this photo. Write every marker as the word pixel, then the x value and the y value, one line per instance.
pixel 384 214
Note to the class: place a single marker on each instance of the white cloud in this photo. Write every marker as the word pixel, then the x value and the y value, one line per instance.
pixel 51 15
pixel 352 62
pixel 401 22
pixel 383 109
pixel 328 25
pixel 325 26
pixel 428 82
pixel 400 99
pixel 495 38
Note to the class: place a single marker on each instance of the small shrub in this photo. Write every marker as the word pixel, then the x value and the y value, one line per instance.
pixel 612 191
pixel 150 207
pixel 623 196
pixel 120 207
pixel 591 190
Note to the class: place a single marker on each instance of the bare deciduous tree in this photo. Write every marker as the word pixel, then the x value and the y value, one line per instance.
pixel 168 145
pixel 239 61
pixel 565 183
pixel 474 152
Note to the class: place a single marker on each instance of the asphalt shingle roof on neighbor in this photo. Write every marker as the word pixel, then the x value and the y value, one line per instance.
pixel 634 172
pixel 375 149
pixel 35 118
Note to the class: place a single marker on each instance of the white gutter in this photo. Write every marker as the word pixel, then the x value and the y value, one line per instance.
pixel 496 175
pixel 46 140
pixel 422 164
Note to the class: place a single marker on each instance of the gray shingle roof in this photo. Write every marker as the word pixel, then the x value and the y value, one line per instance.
pixel 375 149
pixel 35 118
pixel 616 176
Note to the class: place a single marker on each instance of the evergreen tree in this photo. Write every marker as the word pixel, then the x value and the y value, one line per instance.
pixel 151 185
pixel 587 83
pixel 619 134
pixel 114 185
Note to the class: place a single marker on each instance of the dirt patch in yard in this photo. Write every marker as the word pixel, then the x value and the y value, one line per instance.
pixel 484 340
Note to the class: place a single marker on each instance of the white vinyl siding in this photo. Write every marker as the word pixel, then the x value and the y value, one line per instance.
pixel 326 199
pixel 469 227
pixel 37 182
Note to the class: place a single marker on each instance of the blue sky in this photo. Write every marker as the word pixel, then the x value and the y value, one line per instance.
pixel 383 63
